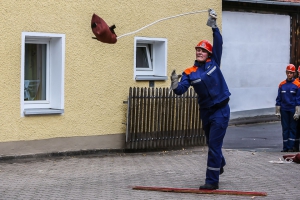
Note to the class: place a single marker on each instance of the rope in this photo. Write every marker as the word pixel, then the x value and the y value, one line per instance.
pixel 287 160
pixel 189 13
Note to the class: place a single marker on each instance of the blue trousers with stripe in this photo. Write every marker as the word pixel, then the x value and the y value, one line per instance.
pixel 215 123
pixel 289 129
pixel 296 145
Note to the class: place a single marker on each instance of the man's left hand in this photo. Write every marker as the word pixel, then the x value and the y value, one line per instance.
pixel 212 18
pixel 174 80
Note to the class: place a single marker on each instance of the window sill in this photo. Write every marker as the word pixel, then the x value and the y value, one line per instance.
pixel 150 78
pixel 43 111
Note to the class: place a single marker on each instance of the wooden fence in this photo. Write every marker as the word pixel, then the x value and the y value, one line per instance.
pixel 157 119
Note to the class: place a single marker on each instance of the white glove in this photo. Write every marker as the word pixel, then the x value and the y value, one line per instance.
pixel 174 80
pixel 277 112
pixel 212 18
pixel 297 113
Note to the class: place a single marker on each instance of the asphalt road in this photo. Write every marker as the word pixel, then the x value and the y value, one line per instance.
pixel 256 137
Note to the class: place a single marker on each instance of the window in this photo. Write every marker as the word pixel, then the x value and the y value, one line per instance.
pixel 150 58
pixel 144 57
pixel 42 72
pixel 35 71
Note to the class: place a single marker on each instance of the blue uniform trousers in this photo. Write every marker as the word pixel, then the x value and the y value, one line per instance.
pixel 297 140
pixel 215 123
pixel 289 129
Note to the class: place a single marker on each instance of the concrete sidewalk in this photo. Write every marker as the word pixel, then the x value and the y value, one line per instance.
pixel 112 177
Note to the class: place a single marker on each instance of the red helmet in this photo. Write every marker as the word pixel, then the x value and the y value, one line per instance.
pixel 291 68
pixel 205 44
pixel 299 69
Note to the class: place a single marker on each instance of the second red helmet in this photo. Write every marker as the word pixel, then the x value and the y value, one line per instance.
pixel 291 68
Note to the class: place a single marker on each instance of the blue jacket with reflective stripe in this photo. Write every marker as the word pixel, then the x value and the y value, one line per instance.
pixel 206 78
pixel 288 95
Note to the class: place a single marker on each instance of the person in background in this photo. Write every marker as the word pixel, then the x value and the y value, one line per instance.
pixel 213 97
pixel 297 140
pixel 288 108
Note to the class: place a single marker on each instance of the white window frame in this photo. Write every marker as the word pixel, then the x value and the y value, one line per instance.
pixel 158 60
pixel 55 66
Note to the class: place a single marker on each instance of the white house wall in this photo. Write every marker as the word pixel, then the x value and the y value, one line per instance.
pixel 256 50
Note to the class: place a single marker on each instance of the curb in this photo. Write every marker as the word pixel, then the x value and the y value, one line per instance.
pixel 32 157
pixel 254 120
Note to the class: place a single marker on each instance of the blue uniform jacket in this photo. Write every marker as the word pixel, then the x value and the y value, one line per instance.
pixel 288 95
pixel 206 78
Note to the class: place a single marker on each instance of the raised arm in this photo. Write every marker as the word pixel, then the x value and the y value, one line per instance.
pixel 218 41
pixel 217 46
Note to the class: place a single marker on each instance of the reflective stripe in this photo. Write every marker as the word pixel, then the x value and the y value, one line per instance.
pixel 292 92
pixel 292 139
pixel 212 70
pixel 196 81
pixel 212 168
pixel 285 140
pixel 283 91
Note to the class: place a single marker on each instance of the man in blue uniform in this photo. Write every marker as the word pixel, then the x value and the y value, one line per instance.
pixel 296 146
pixel 288 108
pixel 213 96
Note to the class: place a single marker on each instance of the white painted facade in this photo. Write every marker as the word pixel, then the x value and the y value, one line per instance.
pixel 256 51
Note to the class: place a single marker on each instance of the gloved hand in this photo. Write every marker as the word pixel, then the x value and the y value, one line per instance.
pixel 277 112
pixel 297 113
pixel 174 80
pixel 212 18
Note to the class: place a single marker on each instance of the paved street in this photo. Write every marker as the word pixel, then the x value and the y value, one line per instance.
pixel 259 137
pixel 112 176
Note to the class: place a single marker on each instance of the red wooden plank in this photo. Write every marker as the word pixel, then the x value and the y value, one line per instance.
pixel 197 191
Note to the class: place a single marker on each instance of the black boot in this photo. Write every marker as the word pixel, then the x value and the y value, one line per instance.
pixel 207 186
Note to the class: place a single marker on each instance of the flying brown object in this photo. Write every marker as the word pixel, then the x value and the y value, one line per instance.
pixel 102 31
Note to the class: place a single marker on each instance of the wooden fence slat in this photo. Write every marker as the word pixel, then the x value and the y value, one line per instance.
pixel 156 99
pixel 166 111
pixel 137 119
pixel 186 117
pixel 171 117
pixel 132 128
pixel 143 119
pixel 129 121
pixel 160 107
pixel 149 116
pixel 198 125
pixel 193 118
pixel 190 105
pixel 182 119
pixel 178 118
